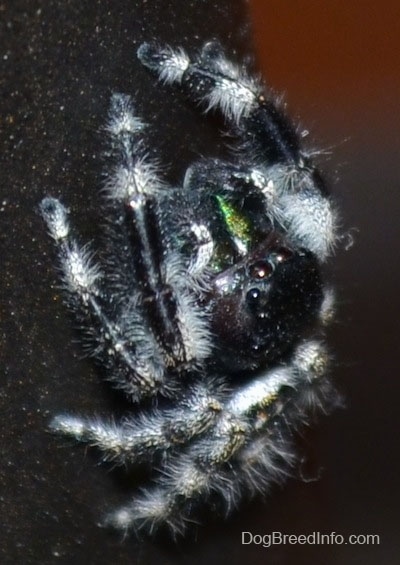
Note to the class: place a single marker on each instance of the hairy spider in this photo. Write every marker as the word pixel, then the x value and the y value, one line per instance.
pixel 208 299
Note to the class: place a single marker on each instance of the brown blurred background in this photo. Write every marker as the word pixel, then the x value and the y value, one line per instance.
pixel 339 64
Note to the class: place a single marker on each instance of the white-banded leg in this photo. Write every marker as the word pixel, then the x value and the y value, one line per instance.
pixel 165 303
pixel 218 83
pixel 82 277
pixel 138 438
pixel 136 189
pixel 293 188
pixel 231 456
pixel 158 327
pixel 270 456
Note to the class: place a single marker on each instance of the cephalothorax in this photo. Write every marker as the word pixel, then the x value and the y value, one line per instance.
pixel 208 298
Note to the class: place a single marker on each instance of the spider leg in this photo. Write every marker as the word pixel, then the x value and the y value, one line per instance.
pixel 165 302
pixel 234 455
pixel 138 438
pixel 216 82
pixel 129 363
pixel 270 455
pixel 282 171
pixel 158 327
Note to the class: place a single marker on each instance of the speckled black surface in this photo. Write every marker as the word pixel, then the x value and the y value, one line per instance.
pixel 60 63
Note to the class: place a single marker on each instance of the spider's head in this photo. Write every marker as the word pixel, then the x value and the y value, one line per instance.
pixel 263 305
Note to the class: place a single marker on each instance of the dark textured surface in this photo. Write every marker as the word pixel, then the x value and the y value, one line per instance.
pixel 60 62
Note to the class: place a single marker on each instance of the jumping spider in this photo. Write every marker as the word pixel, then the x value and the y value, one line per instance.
pixel 208 299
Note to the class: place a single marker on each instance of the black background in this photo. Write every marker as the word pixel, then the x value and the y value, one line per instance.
pixel 60 63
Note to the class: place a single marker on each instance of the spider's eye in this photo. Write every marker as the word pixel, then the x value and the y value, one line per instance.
pixel 261 270
pixel 283 254
pixel 253 296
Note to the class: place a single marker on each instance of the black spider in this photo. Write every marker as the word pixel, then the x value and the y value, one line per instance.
pixel 208 298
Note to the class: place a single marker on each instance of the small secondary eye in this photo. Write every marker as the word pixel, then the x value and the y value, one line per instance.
pixel 283 254
pixel 253 295
pixel 260 270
